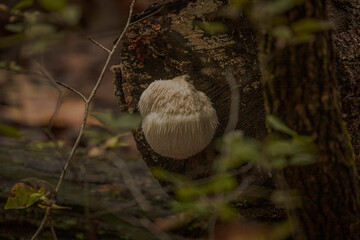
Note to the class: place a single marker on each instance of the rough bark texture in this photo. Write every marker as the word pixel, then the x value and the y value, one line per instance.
pixel 345 15
pixel 301 89
pixel 167 45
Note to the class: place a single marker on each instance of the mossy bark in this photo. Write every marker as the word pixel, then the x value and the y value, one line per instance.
pixel 301 88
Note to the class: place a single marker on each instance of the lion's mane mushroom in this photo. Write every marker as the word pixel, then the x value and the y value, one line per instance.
pixel 178 120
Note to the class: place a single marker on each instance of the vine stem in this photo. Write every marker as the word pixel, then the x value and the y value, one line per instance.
pixel 87 106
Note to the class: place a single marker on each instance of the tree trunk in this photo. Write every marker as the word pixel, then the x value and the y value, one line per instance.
pixel 345 15
pixel 168 44
pixel 301 89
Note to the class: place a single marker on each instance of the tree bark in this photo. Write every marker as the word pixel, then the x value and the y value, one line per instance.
pixel 168 44
pixel 345 15
pixel 301 89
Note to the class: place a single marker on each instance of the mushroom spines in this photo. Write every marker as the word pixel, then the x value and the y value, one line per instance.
pixel 178 120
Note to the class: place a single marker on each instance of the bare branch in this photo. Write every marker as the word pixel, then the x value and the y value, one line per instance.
pixel 41 227
pixel 149 225
pixel 131 185
pixel 98 44
pixel 48 76
pixel 87 106
pixel 72 89
pixel 52 229
pixel 88 101
pixel 211 226
pixel 112 52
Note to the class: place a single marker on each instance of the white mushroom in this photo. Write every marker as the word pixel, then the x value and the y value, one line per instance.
pixel 178 120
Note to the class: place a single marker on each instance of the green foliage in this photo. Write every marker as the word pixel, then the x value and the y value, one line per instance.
pixel 213 196
pixel 277 7
pixel 22 4
pixel 30 191
pixel 278 125
pixel 37 146
pixel 269 15
pixel 217 184
pixel 53 5
pixel 23 196
pixel 10 131
pixel 237 151
pixel 211 27
pixel 38 29
pixel 113 121
pixel 164 175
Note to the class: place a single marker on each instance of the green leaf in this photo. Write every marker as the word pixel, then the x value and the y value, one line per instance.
pixel 14 67
pixel 4 64
pixel 278 125
pixel 276 7
pixel 22 4
pixel 310 26
pixel 239 3
pixel 282 32
pixel 46 145
pixel 227 212
pixel 162 174
pixel 237 151
pixel 211 27
pixel 194 207
pixel 53 5
pixel 28 192
pixel 10 131
pixel 219 184
pixel 17 27
pixel 11 40
pixel 71 15
pixel 302 159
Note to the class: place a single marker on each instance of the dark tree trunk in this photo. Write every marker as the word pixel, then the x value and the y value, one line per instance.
pixel 168 44
pixel 301 89
pixel 345 15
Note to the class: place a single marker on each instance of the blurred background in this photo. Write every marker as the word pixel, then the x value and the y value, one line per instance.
pixel 53 34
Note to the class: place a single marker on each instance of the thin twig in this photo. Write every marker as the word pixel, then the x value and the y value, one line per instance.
pixel 149 225
pixel 139 198
pixel 91 97
pixel 72 89
pixel 239 190
pixel 48 76
pixel 131 185
pixel 87 105
pixel 99 44
pixel 52 229
pixel 211 228
pixel 41 227
pixel 147 16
